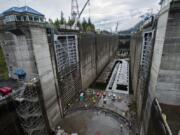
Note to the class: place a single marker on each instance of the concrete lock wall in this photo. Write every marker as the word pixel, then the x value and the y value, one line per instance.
pixel 47 80
pixel 164 72
pixel 102 55
pixel 29 50
pixel 87 56
pixel 135 56
pixel 18 53
pixel 124 42
pixel 138 84
pixel 165 63
pixel 158 47
pixel 95 52
pixel 156 60
pixel 168 84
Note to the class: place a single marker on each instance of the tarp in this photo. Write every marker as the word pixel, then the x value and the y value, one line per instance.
pixel 20 72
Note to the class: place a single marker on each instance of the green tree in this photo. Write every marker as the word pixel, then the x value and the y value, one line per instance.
pixel 70 22
pixel 90 26
pixel 57 23
pixel 84 24
pixel 63 20
pixel 50 21
pixel 79 25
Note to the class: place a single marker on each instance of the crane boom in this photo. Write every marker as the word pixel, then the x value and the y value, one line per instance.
pixel 77 18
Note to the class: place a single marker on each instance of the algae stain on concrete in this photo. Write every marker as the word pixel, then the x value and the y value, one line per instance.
pixel 3 66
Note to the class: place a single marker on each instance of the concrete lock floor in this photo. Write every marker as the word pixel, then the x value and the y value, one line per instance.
pixel 94 122
pixel 90 122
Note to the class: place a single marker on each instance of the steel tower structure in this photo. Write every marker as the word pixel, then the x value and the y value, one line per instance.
pixel 74 9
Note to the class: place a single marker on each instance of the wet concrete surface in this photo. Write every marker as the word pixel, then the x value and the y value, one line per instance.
pixel 98 123
pixel 123 105
pixel 90 122
pixel 120 104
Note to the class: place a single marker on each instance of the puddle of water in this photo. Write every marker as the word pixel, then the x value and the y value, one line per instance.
pixel 91 123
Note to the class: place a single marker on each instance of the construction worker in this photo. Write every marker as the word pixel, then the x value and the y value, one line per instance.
pixel 121 128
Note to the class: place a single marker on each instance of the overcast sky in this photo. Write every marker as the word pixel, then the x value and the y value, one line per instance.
pixel 104 13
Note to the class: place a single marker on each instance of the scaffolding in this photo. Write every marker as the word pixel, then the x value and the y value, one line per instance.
pixel 28 108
